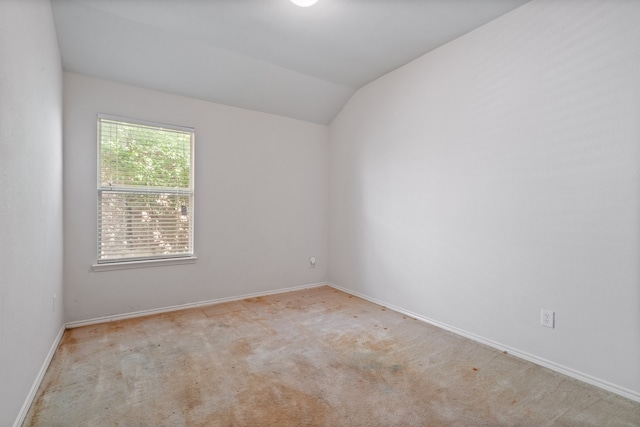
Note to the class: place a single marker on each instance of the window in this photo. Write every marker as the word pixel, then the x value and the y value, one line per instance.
pixel 145 190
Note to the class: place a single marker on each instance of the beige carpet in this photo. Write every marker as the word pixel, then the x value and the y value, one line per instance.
pixel 316 357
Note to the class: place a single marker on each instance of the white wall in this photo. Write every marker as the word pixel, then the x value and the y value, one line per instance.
pixel 30 197
pixel 498 175
pixel 260 204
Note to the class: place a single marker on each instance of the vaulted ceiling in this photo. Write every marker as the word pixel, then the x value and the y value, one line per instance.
pixel 265 55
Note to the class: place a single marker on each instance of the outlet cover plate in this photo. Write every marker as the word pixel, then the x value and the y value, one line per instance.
pixel 547 318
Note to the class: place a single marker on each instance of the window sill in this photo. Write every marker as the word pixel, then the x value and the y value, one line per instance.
pixel 143 264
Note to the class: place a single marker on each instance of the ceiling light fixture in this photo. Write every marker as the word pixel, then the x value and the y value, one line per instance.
pixel 304 3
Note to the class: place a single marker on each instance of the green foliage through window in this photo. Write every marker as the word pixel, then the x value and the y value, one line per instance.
pixel 145 191
pixel 133 154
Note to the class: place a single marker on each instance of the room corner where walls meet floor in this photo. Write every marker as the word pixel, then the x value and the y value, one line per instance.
pixel 221 302
pixel 315 356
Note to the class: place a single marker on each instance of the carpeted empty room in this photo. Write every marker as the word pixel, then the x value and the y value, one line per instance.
pixel 314 357
pixel 319 213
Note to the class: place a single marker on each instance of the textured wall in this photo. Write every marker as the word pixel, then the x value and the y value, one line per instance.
pixel 30 197
pixel 498 175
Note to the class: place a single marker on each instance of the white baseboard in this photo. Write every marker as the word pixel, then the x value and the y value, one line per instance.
pixel 142 313
pixel 36 384
pixel 621 391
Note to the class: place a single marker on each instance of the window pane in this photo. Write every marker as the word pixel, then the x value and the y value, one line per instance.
pixel 143 225
pixel 133 154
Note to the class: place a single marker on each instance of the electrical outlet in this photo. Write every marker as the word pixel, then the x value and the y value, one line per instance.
pixel 547 318
pixel 312 262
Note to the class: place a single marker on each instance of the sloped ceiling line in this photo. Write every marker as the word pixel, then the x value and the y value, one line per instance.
pixel 264 55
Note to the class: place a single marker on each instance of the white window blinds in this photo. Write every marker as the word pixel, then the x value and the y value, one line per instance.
pixel 145 190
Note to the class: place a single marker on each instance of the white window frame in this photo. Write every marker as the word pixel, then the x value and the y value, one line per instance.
pixel 146 261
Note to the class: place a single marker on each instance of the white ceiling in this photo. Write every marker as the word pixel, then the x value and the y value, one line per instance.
pixel 265 55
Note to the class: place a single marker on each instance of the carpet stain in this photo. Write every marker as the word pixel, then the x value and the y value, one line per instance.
pixel 282 405
pixel 241 348
pixel 302 358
